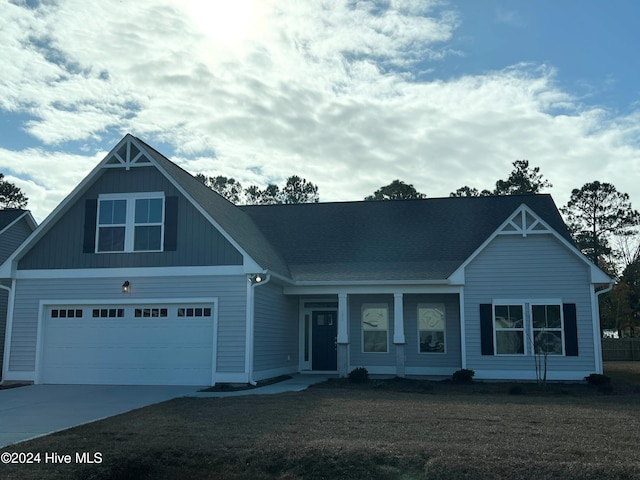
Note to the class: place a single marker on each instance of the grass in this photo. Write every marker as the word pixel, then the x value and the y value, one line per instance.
pixel 397 429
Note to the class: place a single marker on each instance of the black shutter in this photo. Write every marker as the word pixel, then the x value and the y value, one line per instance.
pixel 486 329
pixel 171 224
pixel 570 330
pixel 90 217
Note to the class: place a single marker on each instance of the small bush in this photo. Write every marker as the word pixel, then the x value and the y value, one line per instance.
pixel 516 390
pixel 597 379
pixel 359 375
pixel 463 376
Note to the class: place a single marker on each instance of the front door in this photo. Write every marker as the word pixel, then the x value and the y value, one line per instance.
pixel 324 331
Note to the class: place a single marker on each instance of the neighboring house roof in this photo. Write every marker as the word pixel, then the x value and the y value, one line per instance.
pixel 390 240
pixel 7 217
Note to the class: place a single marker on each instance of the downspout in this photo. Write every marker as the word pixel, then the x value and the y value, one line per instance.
pixel 8 327
pixel 251 323
pixel 599 336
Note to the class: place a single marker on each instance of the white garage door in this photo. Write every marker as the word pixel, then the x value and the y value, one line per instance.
pixel 151 344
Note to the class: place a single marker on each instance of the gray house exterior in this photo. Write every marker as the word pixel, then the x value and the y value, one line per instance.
pixel 15 226
pixel 143 275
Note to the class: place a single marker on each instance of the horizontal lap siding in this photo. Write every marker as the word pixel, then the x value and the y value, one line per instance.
pixel 451 357
pixel 198 243
pixel 275 329
pixel 358 357
pixel 230 291
pixel 537 266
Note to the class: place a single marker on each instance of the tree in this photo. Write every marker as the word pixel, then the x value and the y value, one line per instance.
pixel 469 192
pixel 298 190
pixel 10 195
pixel 522 180
pixel 229 188
pixel 594 213
pixel 269 196
pixel 396 190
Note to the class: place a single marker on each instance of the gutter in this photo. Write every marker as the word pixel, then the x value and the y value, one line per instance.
pixel 266 278
pixel 598 333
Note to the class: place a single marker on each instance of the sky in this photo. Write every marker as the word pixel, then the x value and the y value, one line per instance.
pixel 350 95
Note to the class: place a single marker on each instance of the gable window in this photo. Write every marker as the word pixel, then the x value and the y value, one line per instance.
pixel 509 329
pixel 130 223
pixel 547 329
pixel 375 328
pixel 431 327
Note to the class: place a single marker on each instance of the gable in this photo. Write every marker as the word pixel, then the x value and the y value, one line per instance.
pixel 63 246
pixel 14 233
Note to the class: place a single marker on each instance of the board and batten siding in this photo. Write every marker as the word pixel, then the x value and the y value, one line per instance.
pixel 432 363
pixel 275 332
pixel 198 242
pixel 4 301
pixel 13 237
pixel 230 290
pixel 529 268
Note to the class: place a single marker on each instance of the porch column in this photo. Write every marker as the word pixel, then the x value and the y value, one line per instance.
pixel 398 332
pixel 342 342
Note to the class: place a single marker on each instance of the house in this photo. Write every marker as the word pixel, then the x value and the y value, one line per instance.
pixel 15 226
pixel 143 275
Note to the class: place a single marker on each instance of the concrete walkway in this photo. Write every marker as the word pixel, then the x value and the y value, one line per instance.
pixel 37 410
pixel 296 383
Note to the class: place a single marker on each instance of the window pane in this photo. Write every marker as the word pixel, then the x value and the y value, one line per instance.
pixel 509 342
pixel 516 315
pixel 553 316
pixel 375 341
pixel 432 342
pixel 155 210
pixel 119 211
pixel 147 238
pixel 430 318
pixel 539 316
pixel 374 318
pixel 111 239
pixel 142 211
pixel 106 212
pixel 548 342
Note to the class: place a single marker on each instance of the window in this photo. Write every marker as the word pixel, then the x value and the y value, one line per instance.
pixel 509 329
pixel 107 313
pixel 431 327
pixel 150 312
pixel 375 328
pixel 66 313
pixel 547 329
pixel 194 312
pixel 130 223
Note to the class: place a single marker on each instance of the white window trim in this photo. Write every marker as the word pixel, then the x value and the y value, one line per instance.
pixel 130 225
pixel 374 305
pixel 444 309
pixel 546 302
pixel 525 343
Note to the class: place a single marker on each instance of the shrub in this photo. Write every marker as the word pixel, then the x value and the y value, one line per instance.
pixel 359 375
pixel 516 390
pixel 463 376
pixel 597 379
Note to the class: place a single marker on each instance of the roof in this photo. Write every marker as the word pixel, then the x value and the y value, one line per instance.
pixel 389 240
pixel 232 220
pixel 8 216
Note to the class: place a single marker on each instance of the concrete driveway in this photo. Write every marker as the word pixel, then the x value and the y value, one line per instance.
pixel 36 410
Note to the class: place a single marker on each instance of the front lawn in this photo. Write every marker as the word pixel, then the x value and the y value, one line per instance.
pixel 443 432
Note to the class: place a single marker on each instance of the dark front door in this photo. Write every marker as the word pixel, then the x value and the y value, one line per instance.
pixel 324 331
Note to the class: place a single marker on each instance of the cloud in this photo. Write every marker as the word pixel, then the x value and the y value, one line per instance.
pixel 322 90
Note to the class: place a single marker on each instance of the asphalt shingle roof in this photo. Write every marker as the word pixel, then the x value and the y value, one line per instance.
pixel 389 240
pixel 375 240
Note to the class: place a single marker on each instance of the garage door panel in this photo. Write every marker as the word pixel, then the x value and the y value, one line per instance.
pixel 128 350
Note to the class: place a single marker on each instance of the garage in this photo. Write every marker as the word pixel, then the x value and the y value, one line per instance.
pixel 135 344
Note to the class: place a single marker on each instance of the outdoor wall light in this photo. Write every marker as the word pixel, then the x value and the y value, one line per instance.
pixel 126 287
pixel 257 278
